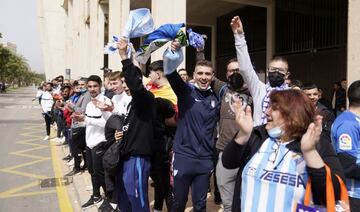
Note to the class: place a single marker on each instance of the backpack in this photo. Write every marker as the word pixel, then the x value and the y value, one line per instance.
pixel 115 151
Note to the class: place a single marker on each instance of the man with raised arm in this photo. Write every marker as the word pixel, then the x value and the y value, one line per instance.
pixel 277 72
pixel 193 148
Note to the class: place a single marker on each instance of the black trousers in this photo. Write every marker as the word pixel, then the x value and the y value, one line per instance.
pixel 60 122
pixel 75 144
pixel 160 174
pixel 94 163
pixel 48 120
pixel 354 204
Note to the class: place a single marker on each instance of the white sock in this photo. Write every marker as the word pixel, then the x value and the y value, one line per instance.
pixel 156 210
pixel 113 205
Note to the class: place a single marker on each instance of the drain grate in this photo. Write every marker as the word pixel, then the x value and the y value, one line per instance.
pixel 53 182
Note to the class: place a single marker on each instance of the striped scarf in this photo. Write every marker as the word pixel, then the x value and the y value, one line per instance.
pixel 266 100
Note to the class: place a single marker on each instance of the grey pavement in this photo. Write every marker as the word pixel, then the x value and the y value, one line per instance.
pixel 25 157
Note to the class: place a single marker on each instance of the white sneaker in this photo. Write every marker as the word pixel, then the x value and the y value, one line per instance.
pixel 46 138
pixel 70 163
pixel 59 141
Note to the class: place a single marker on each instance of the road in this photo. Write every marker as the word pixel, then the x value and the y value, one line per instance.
pixel 25 157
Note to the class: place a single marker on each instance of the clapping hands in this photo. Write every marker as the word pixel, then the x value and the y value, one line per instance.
pixel 243 118
pixel 102 105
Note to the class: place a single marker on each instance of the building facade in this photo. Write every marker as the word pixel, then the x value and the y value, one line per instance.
pixel 74 32
pixel 11 46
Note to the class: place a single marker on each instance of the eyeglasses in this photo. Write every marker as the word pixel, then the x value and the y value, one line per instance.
pixel 274 153
pixel 276 69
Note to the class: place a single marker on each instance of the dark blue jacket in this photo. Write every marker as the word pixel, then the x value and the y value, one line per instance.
pixel 198 116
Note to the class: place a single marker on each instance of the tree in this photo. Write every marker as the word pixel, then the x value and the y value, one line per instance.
pixel 15 70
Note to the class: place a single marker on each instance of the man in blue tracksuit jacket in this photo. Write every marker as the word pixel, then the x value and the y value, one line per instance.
pixel 194 141
pixel 345 133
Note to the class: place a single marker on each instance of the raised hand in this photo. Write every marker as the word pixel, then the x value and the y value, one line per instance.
pixel 243 118
pixel 175 45
pixel 312 135
pixel 122 47
pixel 172 59
pixel 236 25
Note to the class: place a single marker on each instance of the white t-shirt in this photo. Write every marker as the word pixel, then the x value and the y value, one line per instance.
pixel 95 123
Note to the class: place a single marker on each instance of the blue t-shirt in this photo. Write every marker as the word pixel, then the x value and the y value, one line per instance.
pixel 345 135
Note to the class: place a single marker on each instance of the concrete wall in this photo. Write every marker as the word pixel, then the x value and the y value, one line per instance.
pixel 353 47
pixel 52 18
pixel 118 13
pixel 69 41
pixel 164 12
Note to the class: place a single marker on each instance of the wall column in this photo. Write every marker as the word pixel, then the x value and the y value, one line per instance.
pixel 353 44
pixel 166 12
pixel 118 15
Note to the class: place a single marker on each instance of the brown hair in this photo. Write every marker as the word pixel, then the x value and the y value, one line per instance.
pixel 234 59
pixel 296 109
pixel 282 59
pixel 115 75
pixel 205 63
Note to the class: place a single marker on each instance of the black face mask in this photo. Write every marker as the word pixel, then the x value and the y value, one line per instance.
pixel 276 79
pixel 236 82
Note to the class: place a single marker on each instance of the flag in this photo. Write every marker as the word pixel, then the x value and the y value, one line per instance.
pixel 196 40
pixel 158 38
pixel 139 23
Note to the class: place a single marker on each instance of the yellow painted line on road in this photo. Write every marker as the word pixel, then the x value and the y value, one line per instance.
pixel 19 188
pixel 25 174
pixel 14 192
pixel 22 165
pixel 29 193
pixel 63 198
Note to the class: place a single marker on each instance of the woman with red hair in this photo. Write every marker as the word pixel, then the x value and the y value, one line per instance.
pixel 276 160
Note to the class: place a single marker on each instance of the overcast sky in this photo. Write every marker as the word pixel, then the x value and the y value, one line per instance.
pixel 19 25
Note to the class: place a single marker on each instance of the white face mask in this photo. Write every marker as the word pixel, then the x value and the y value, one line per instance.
pixel 275 132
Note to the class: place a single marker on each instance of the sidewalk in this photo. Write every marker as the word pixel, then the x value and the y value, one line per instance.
pixel 80 189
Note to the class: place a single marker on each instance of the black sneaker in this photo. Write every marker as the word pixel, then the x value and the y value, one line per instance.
pixel 217 199
pixel 91 202
pixel 106 207
pixel 73 172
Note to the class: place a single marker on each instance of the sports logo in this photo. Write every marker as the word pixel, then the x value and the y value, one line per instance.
pixel 345 142
pixel 251 171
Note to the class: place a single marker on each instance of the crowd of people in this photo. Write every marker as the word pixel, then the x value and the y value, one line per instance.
pixel 268 145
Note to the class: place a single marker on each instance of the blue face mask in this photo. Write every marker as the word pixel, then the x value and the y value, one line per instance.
pixel 275 132
pixel 83 90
